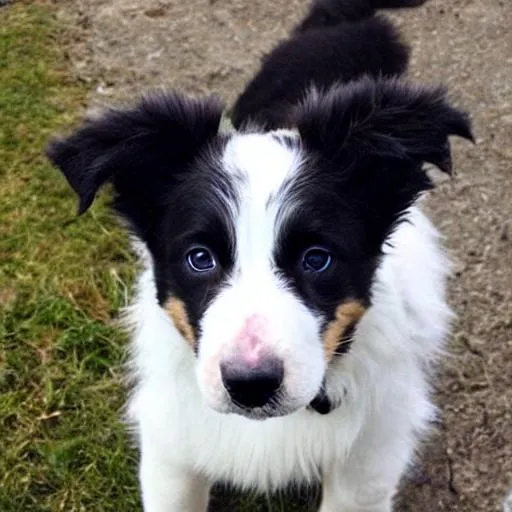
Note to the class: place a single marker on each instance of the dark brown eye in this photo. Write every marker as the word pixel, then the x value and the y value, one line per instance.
pixel 316 259
pixel 200 259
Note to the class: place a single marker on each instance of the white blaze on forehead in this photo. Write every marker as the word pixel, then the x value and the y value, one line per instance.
pixel 261 159
pixel 263 165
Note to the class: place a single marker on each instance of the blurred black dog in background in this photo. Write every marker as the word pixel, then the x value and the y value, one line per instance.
pixel 336 42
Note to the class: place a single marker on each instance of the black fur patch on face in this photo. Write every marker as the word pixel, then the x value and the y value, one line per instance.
pixel 162 158
pixel 199 213
pixel 325 218
pixel 365 145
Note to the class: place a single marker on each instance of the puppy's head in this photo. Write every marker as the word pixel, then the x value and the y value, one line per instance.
pixel 264 245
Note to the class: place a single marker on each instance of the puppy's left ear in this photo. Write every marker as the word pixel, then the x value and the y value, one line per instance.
pixel 384 119
pixel 141 151
pixel 372 137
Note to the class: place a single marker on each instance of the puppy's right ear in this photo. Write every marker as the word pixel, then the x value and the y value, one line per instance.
pixel 139 151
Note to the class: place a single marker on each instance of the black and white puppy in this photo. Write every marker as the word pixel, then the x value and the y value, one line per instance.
pixel 282 269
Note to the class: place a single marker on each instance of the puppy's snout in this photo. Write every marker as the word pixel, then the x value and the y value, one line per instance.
pixel 252 374
pixel 251 385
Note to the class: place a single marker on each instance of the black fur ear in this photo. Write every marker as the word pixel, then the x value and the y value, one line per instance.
pixel 138 150
pixel 382 118
pixel 370 139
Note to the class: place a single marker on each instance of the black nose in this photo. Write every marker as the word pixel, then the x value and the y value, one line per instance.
pixel 252 387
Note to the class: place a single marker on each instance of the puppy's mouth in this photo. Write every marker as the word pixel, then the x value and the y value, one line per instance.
pixel 260 413
pixel 275 408
pixel 321 404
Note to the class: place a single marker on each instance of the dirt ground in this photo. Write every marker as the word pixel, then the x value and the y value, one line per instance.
pixel 123 47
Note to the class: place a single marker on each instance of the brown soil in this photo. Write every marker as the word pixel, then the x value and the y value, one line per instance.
pixel 124 47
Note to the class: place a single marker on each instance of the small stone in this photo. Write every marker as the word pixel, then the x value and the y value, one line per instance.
pixel 156 12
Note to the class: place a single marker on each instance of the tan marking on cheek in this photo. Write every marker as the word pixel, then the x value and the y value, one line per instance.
pixel 347 314
pixel 177 311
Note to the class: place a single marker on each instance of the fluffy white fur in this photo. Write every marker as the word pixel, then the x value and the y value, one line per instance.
pixel 359 450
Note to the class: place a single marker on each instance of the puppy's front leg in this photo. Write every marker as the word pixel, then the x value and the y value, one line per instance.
pixel 337 497
pixel 168 488
pixel 367 480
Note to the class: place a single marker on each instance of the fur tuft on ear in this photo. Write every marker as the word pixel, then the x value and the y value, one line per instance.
pixel 368 141
pixel 137 149
pixel 381 118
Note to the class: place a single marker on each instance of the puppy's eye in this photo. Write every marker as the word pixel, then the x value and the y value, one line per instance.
pixel 316 259
pixel 200 259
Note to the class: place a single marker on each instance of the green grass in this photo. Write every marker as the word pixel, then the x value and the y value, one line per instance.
pixel 62 282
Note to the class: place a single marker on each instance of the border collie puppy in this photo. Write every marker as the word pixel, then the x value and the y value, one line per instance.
pixel 284 272
pixel 337 41
pixel 292 301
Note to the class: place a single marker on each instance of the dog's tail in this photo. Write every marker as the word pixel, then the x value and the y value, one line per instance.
pixel 326 13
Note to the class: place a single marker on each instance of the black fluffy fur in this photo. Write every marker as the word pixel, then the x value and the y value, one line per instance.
pixel 325 13
pixel 337 41
pixel 368 141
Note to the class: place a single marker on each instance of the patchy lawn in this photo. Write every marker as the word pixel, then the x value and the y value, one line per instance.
pixel 62 282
